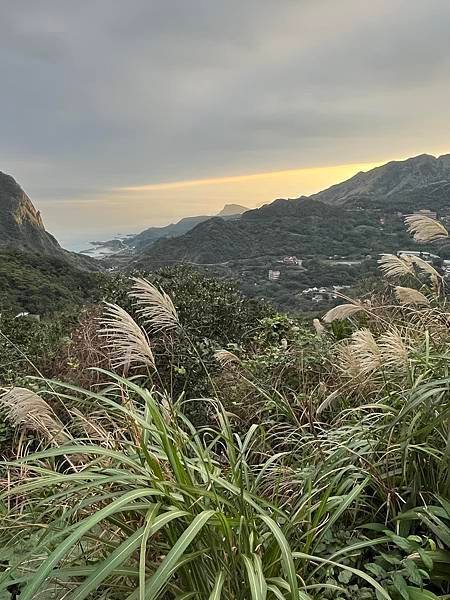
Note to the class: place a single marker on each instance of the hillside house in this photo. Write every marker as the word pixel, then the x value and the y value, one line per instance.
pixel 274 275
pixel 292 260
pixel 319 294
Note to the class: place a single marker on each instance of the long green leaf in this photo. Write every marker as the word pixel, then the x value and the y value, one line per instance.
pixel 357 572
pixel 143 554
pixel 286 556
pixel 124 551
pixel 165 570
pixel 218 585
pixel 84 526
pixel 253 579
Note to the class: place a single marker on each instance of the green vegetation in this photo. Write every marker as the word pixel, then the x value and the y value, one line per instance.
pixel 43 285
pixel 296 227
pixel 338 246
pixel 224 450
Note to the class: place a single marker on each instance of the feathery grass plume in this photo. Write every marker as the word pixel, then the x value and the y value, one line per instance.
pixel 342 311
pixel 407 296
pixel 320 329
pixel 394 348
pixel 24 408
pixel 425 229
pixel 423 265
pixel 395 266
pixel 127 342
pixel 226 358
pixel 155 306
pixel 365 351
pixel 345 360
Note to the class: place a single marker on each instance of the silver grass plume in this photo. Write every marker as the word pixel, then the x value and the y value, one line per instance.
pixel 226 358
pixel 342 311
pixel 425 229
pixel 154 305
pixel 365 351
pixel 127 342
pixel 394 348
pixel 424 266
pixel 24 408
pixel 395 266
pixel 320 329
pixel 407 296
pixel 346 361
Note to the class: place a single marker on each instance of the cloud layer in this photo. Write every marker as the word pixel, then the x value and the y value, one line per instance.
pixel 109 94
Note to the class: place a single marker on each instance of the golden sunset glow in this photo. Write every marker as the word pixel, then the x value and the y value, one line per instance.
pixel 311 177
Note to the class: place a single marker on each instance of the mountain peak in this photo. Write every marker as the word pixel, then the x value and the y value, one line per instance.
pixel 232 209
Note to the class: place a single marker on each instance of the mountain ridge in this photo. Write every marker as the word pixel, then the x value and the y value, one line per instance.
pixel 418 182
pixel 390 178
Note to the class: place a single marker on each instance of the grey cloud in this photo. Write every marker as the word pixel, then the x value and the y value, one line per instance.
pixel 108 93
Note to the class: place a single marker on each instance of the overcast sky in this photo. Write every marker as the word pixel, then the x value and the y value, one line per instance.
pixel 101 95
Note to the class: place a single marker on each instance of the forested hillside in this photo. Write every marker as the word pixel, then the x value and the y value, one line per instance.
pixel 43 285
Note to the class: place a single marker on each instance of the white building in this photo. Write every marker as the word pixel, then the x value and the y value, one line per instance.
pixel 427 213
pixel 428 256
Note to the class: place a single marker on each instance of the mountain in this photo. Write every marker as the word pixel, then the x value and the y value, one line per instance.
pixel 36 274
pixel 22 229
pixel 328 223
pixel 44 284
pixel 231 210
pixel 391 179
pixel 287 227
pixel 150 235
pixel 21 226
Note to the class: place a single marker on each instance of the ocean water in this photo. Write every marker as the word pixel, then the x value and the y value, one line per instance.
pixel 79 241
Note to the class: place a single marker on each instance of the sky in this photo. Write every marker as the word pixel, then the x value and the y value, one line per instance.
pixel 120 115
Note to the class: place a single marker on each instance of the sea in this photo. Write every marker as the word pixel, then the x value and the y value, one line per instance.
pixel 80 241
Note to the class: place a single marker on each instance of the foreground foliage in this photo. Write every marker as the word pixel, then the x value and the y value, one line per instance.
pixel 319 470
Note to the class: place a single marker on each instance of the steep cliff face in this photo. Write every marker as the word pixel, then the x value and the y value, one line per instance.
pixel 21 225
